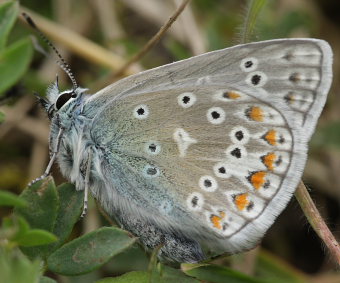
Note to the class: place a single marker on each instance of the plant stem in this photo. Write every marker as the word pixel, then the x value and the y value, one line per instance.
pixel 316 221
pixel 153 41
pixel 253 11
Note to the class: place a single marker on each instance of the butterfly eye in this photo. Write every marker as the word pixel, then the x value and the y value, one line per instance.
pixel 62 99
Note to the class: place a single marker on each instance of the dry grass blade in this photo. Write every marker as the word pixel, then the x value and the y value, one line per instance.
pixel 191 30
pixel 78 44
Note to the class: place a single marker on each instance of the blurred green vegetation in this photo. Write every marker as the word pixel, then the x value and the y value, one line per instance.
pixel 37 239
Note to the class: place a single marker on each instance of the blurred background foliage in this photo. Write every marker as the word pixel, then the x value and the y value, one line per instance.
pixel 290 251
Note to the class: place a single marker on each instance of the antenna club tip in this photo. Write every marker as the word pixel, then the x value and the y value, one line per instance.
pixel 28 19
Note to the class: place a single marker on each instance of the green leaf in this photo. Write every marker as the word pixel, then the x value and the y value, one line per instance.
pixel 131 277
pixel 328 135
pixel 10 199
pixel 45 279
pixel 18 224
pixel 43 204
pixel 23 226
pixel 70 209
pixel 90 251
pixel 16 268
pixel 273 269
pixel 164 274
pixel 169 275
pixel 216 274
pixel 41 213
pixel 14 62
pixel 8 15
pixel 36 237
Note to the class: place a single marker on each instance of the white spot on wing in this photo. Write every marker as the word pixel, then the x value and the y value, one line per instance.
pixel 256 79
pixel 203 80
pixel 141 111
pixel 236 152
pixel 221 170
pixel 195 201
pixel 183 141
pixel 239 135
pixel 216 115
pixel 249 64
pixel 150 171
pixel 208 184
pixel 153 147
pixel 186 99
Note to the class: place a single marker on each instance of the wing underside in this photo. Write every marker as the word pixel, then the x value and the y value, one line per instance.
pixel 215 145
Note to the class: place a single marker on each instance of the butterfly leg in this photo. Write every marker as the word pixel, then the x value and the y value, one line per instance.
pixel 53 157
pixel 87 183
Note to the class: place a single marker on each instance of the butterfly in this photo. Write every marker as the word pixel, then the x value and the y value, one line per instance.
pixel 200 156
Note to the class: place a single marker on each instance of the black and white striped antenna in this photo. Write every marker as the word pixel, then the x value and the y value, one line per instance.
pixel 62 63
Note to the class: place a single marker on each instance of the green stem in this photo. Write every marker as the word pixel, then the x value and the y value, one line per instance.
pixel 253 11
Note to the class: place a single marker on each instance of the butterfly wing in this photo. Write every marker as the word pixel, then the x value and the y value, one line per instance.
pixel 213 146
pixel 306 64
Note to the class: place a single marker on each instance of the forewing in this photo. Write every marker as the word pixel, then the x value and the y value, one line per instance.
pixel 297 75
pixel 215 145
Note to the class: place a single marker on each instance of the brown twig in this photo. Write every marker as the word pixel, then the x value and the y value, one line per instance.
pixel 316 221
pixel 152 42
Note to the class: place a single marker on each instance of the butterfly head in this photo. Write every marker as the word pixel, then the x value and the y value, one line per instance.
pixel 57 100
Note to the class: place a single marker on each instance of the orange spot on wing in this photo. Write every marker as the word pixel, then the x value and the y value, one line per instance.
pixel 231 95
pixel 270 137
pixel 241 201
pixel 256 114
pixel 269 160
pixel 258 179
pixel 216 220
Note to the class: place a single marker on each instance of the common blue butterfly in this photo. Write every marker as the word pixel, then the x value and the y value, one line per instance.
pixel 200 156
